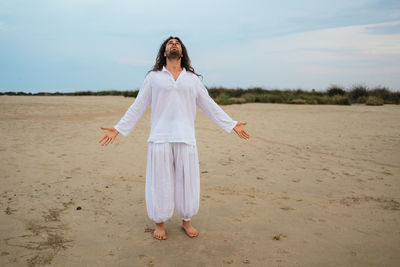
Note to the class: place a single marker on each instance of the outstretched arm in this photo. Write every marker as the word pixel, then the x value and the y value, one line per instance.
pixel 216 113
pixel 212 109
pixel 136 110
pixel 131 117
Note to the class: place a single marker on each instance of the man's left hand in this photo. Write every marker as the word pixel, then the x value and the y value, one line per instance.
pixel 240 131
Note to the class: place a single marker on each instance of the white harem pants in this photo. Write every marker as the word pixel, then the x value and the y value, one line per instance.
pixel 172 177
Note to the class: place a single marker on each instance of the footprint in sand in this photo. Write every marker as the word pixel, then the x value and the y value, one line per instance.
pixel 246 261
pixel 146 259
pixel 9 211
pixel 316 220
pixel 225 162
pixel 205 197
pixel 286 208
pixel 247 215
pixel 148 230
pixel 111 253
pixel 348 174
pixel 385 203
pixel 328 170
pixel 46 238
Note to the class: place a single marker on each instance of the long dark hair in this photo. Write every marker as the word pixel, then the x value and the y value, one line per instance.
pixel 162 61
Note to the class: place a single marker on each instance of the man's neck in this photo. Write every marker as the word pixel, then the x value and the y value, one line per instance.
pixel 173 65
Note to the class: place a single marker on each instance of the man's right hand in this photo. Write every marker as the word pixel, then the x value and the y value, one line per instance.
pixel 109 136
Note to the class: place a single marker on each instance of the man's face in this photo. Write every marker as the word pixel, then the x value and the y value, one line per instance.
pixel 173 49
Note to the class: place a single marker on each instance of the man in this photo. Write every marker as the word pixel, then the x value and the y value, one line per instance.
pixel 172 175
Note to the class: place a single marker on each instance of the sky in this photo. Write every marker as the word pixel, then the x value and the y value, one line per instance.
pixel 77 45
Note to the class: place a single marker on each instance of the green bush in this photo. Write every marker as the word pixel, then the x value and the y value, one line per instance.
pixel 130 93
pixel 356 92
pixel 223 99
pixel 362 100
pixel 335 90
pixel 387 96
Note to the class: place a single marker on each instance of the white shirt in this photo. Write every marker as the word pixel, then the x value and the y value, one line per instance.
pixel 173 107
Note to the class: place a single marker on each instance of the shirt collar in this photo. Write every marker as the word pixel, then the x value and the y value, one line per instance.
pixel 165 69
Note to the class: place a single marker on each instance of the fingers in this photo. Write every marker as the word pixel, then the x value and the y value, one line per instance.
pixel 245 134
pixel 107 139
pixel 241 123
pixel 242 133
pixel 106 128
pixel 105 136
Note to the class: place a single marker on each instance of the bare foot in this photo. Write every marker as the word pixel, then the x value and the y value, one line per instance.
pixel 159 232
pixel 189 229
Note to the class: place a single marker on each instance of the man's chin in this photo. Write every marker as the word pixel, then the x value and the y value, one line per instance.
pixel 174 55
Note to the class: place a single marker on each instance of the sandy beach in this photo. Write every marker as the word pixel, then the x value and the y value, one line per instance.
pixel 323 178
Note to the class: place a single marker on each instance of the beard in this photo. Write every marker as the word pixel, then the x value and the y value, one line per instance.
pixel 174 54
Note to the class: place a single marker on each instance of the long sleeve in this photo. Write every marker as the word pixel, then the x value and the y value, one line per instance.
pixel 212 110
pixel 136 110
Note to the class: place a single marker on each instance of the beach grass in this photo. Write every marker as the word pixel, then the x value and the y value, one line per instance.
pixel 334 95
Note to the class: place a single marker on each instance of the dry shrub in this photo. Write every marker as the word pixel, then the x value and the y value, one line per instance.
pixel 362 100
pixel 298 101
pixel 249 97
pixel 237 100
pixel 374 101
pixel 341 100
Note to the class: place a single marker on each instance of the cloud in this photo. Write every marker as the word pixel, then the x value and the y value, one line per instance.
pixel 385 28
pixel 311 59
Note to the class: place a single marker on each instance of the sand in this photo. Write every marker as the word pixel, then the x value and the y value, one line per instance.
pixel 325 179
